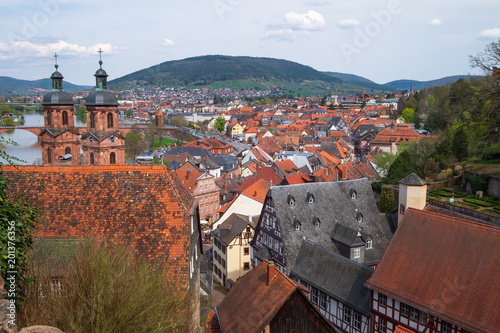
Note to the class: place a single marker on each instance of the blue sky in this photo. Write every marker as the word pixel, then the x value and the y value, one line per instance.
pixel 381 40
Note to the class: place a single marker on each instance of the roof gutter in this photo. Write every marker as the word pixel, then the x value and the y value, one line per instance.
pixel 218 319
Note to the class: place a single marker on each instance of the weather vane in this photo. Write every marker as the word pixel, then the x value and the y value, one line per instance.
pixel 55 57
pixel 100 60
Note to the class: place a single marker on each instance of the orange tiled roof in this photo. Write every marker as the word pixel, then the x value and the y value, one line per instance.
pixel 446 266
pixel 143 205
pixel 188 178
pixel 208 144
pixel 257 190
pixel 402 329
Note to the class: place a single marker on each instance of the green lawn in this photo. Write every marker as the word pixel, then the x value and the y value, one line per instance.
pixel 163 143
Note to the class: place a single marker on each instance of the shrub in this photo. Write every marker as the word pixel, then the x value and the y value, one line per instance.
pixel 104 288
pixel 386 203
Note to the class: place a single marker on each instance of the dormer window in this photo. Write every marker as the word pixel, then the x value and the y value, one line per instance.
pixel 310 198
pixel 317 223
pixel 296 224
pixel 353 194
pixel 291 201
pixel 359 217
pixel 369 244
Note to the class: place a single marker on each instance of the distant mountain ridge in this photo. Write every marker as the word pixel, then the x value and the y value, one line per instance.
pixel 210 69
pixel 418 85
pixel 361 81
pixel 11 86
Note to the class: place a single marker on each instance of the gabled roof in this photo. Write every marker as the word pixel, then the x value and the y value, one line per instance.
pixel 257 190
pixel 143 205
pixel 208 143
pixel 252 302
pixel 335 275
pixel 188 178
pixel 334 203
pixel 232 227
pixel 445 266
pixel 413 180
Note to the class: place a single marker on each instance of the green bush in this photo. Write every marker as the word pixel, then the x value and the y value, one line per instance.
pixel 478 182
pixel 479 202
pixel 105 288
pixel 386 203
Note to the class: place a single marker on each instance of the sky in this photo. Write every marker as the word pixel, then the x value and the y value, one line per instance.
pixel 382 40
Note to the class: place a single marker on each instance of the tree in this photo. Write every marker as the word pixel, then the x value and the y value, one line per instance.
pixel 460 144
pixel 4 108
pixel 133 146
pixel 384 161
pixel 8 121
pixel 18 219
pixel 402 167
pixel 179 121
pixel 487 59
pixel 422 155
pixel 386 202
pixel 82 112
pixel 407 115
pixel 220 124
pixel 128 113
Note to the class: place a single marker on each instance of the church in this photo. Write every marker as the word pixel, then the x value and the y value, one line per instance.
pixel 101 143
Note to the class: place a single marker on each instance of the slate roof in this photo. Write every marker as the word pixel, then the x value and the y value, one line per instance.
pixel 445 266
pixel 226 161
pixel 333 204
pixel 193 151
pixel 413 180
pixel 143 205
pixel 335 275
pixel 232 227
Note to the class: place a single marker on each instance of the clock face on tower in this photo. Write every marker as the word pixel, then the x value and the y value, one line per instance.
pixel 91 140
pixel 112 139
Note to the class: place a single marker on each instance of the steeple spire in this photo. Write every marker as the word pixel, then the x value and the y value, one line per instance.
pixel 101 75
pixel 56 77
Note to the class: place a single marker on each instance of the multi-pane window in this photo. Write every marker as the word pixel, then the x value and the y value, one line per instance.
pixel 246 251
pixel 382 300
pixel 357 320
pixel 314 295
pixel 413 314
pixel 347 315
pixel 446 327
pixel 323 301
pixel 423 317
pixel 246 266
pixel 382 326
pixel 357 252
pixel 404 309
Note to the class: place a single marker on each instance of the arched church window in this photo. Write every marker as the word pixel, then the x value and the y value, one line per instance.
pixel 67 150
pixel 65 117
pixel 112 158
pixel 49 118
pixel 49 155
pixel 110 120
pixel 92 120
pixel 91 158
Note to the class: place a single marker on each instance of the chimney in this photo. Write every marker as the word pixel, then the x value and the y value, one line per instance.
pixel 343 170
pixel 225 187
pixel 188 174
pixel 271 273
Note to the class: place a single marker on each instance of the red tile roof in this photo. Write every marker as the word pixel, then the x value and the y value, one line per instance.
pixel 143 205
pixel 257 190
pixel 401 329
pixel 445 266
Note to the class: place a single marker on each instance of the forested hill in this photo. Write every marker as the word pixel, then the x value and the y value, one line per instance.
pixel 207 70
pixel 11 86
pixel 418 85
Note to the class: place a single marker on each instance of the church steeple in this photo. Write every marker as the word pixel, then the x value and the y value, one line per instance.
pixel 56 77
pixel 101 77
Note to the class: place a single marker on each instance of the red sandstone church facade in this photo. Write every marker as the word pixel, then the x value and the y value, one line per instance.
pixel 101 144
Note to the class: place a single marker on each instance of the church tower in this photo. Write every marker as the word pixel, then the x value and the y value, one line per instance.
pixel 102 143
pixel 60 141
pixel 159 118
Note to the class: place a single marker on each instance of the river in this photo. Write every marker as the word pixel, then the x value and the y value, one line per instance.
pixel 28 148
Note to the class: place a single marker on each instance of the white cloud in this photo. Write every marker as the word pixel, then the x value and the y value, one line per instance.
pixel 167 42
pixel 282 34
pixel 318 2
pixel 490 33
pixel 348 23
pixel 435 22
pixel 23 49
pixel 311 20
pixel 295 25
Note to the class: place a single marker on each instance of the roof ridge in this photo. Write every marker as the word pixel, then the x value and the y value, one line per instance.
pixel 462 221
